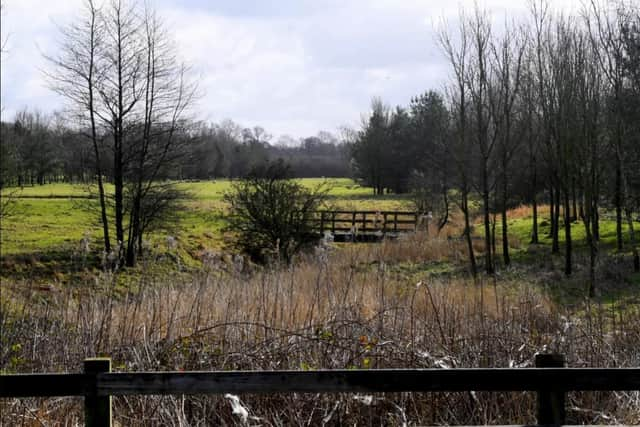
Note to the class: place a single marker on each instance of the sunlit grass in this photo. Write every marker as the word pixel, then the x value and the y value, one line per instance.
pixel 55 216
pixel 40 224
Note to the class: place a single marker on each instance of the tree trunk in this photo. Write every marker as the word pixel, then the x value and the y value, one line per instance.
pixel 534 202
pixel 632 239
pixel 555 245
pixel 445 217
pixel 488 261
pixel 118 169
pixel 596 224
pixel 534 226
pixel 94 136
pixel 493 235
pixel 574 201
pixel 618 203
pixel 592 264
pixel 567 234
pixel 467 231
pixel 505 237
pixel 118 182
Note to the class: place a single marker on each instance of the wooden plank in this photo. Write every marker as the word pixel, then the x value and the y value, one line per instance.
pixel 405 221
pixel 386 380
pixel 401 213
pixel 372 381
pixel 44 385
pixel 368 221
pixel 340 230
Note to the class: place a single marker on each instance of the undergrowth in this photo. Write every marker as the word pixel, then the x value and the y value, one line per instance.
pixel 354 307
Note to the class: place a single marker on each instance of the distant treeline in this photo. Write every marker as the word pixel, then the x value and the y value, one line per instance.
pixel 37 148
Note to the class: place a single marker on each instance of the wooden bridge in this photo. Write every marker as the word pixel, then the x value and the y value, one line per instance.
pixel 364 225
pixel 550 380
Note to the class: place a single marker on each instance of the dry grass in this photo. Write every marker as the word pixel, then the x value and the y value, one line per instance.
pixel 345 308
pixel 524 211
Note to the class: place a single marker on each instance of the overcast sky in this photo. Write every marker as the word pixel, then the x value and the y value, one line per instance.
pixel 294 67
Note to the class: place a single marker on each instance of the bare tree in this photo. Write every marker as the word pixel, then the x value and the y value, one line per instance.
pixel 478 84
pixel 506 62
pixel 77 75
pixel 167 96
pixel 530 125
pixel 6 197
pixel 458 58
pixel 630 33
pixel 604 25
pixel 4 38
pixel 590 151
pixel 120 69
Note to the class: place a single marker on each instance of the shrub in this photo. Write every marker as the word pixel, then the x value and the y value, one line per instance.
pixel 271 214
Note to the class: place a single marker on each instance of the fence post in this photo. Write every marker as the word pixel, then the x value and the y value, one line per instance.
pixel 551 408
pixel 97 409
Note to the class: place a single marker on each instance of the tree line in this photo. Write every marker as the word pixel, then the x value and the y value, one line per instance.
pixel 545 110
pixel 38 148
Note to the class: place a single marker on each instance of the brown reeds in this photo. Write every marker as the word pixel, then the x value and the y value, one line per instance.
pixel 350 307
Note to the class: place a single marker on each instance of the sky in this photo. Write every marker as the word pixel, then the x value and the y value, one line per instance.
pixel 293 67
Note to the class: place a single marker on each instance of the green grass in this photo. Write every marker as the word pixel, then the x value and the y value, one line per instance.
pixel 617 286
pixel 521 229
pixel 57 190
pixel 40 224
pixel 340 188
pixel 48 222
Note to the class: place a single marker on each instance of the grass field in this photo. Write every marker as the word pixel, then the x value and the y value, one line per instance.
pixel 49 223
pixel 58 216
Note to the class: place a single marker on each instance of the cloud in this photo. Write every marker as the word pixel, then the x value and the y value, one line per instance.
pixel 293 66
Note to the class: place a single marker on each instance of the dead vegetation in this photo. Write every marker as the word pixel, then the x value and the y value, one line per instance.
pixel 351 307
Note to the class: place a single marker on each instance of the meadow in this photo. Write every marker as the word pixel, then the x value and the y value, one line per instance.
pixel 403 303
pixel 55 216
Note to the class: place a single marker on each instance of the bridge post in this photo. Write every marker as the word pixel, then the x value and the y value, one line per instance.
pixel 384 224
pixel 333 223
pixel 551 407
pixel 97 409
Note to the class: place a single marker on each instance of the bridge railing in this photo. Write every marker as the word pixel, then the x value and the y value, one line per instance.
pixel 550 380
pixel 344 221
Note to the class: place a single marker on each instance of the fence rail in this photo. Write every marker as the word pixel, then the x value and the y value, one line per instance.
pixel 365 222
pixel 97 384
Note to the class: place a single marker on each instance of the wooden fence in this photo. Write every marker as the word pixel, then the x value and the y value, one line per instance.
pixel 365 222
pixel 550 380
